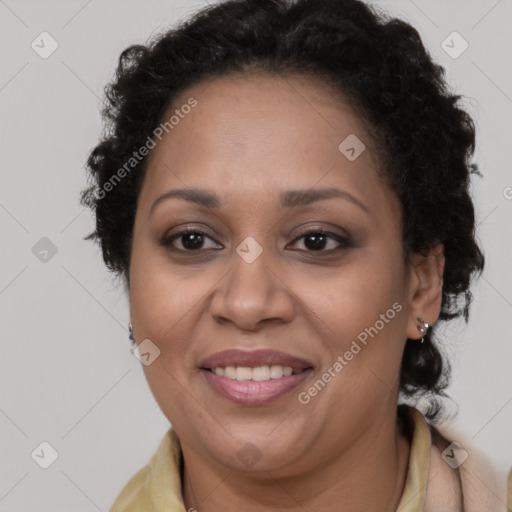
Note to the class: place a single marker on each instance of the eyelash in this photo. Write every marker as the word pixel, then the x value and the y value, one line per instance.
pixel 343 241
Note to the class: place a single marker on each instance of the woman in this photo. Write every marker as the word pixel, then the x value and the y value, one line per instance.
pixel 284 187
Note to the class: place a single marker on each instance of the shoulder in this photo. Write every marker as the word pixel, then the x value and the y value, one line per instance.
pixel 460 477
pixel 133 496
pixel 156 486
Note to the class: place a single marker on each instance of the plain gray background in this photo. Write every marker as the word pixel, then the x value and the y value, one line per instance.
pixel 67 374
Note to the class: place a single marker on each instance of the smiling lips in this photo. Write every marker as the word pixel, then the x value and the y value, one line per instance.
pixel 256 377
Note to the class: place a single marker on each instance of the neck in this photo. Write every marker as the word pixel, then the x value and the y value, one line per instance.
pixel 370 473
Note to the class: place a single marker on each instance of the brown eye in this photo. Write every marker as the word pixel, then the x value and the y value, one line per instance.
pixel 190 240
pixel 316 240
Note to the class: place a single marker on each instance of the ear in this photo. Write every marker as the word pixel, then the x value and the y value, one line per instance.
pixel 425 289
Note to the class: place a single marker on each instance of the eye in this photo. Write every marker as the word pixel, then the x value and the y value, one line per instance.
pixel 317 239
pixel 191 240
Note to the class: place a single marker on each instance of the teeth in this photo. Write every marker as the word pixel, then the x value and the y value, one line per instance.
pixel 243 373
pixel 276 372
pixel 229 372
pixel 257 373
pixel 261 373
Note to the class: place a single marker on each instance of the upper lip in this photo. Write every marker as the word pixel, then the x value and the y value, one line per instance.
pixel 235 357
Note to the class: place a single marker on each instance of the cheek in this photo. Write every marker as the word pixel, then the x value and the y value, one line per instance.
pixel 361 309
pixel 358 313
pixel 164 308
pixel 352 298
pixel 161 296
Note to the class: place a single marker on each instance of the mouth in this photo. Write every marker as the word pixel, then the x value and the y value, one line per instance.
pixel 254 378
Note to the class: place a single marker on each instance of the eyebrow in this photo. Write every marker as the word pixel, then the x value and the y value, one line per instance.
pixel 288 199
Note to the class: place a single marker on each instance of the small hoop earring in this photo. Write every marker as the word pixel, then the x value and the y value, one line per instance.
pixel 130 333
pixel 422 328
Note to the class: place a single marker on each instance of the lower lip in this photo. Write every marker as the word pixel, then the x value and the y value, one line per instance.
pixel 250 392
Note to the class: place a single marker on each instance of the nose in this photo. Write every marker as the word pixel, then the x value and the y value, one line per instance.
pixel 252 294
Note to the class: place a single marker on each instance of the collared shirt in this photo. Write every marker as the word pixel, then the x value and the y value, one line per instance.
pixel 433 482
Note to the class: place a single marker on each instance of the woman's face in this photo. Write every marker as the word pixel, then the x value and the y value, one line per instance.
pixel 265 149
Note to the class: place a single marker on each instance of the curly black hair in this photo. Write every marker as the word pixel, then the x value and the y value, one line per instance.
pixel 424 138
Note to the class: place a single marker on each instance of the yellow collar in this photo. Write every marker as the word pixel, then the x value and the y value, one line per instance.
pixel 413 497
pixel 157 486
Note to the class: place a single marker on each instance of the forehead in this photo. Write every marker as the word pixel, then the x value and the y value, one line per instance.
pixel 258 133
